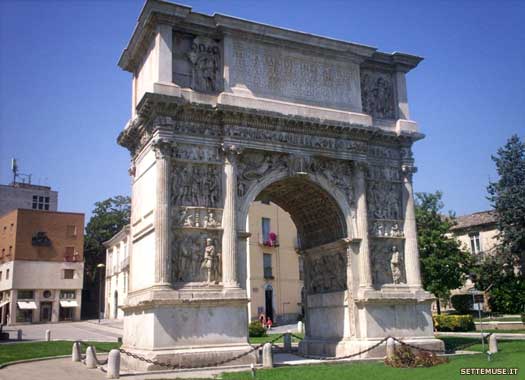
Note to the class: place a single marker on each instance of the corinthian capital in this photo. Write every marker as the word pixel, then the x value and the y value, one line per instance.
pixel 231 152
pixel 163 148
pixel 408 171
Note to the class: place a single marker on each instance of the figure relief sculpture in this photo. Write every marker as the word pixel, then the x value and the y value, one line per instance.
pixel 196 185
pixel 395 266
pixel 205 59
pixel 327 273
pixel 377 94
pixel 210 221
pixel 211 262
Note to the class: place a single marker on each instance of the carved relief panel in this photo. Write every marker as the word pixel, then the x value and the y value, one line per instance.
pixel 197 185
pixel 384 193
pixel 196 256
pixel 326 272
pixel 387 263
pixel 197 62
pixel 377 94
pixel 197 217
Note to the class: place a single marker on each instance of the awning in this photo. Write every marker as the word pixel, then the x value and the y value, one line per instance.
pixel 71 303
pixel 26 305
pixel 4 303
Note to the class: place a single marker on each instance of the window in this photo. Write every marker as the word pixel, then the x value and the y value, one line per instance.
pixel 265 222
pixel 267 265
pixel 10 250
pixel 68 294
pixel 0 275
pixel 3 252
pixel 475 246
pixel 40 203
pixel 71 230
pixel 26 294
pixel 47 294
pixel 301 268
pixel 70 254
pixel 69 274
pixel 7 274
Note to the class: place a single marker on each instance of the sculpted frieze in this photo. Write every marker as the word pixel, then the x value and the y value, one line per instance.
pixel 326 272
pixel 384 173
pixel 384 152
pixel 387 264
pixel 196 256
pixel 196 185
pixel 197 217
pixel 387 228
pixel 377 94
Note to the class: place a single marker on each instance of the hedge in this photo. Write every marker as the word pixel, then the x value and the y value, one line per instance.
pixel 256 329
pixel 445 322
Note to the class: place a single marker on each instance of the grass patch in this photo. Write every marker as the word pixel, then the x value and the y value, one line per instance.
pixel 270 337
pixel 33 350
pixel 510 356
pixel 517 331
pixel 500 319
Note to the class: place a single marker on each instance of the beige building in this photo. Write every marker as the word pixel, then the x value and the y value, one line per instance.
pixel 117 273
pixel 41 266
pixel 477 233
pixel 28 196
pixel 275 276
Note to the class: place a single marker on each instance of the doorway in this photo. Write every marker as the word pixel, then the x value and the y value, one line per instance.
pixel 46 310
pixel 268 302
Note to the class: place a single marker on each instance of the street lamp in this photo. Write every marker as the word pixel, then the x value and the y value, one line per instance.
pixel 100 268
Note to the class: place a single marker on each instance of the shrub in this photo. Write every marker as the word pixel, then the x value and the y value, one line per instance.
pixel 453 322
pixel 256 329
pixel 462 303
pixel 405 358
pixel 523 317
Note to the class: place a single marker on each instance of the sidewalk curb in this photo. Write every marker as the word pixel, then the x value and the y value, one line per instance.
pixel 33 360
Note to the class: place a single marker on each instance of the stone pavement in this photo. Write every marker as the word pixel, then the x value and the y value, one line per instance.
pixel 83 330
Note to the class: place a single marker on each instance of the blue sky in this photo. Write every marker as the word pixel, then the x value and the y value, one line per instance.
pixel 63 100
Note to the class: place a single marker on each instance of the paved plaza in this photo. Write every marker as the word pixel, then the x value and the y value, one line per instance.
pixel 106 331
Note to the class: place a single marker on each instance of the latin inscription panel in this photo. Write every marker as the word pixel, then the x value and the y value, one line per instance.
pixel 278 73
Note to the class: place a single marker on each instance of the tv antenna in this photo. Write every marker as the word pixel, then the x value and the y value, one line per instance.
pixel 17 175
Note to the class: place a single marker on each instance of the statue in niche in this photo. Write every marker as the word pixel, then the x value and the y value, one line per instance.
pixel 184 265
pixel 205 59
pixel 211 262
pixel 395 266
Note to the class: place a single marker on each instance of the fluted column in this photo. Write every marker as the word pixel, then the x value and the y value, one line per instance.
pixel 163 153
pixel 365 270
pixel 413 273
pixel 229 219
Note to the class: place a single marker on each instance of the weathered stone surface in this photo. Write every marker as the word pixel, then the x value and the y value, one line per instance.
pixel 113 369
pixel 225 112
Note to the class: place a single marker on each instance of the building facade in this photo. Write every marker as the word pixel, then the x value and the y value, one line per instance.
pixel 41 266
pixel 117 273
pixel 477 234
pixel 27 196
pixel 275 277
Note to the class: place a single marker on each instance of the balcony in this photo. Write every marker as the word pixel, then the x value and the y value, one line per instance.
pixel 271 240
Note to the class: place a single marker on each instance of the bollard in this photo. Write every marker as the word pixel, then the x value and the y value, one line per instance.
pixel 390 349
pixel 91 361
pixel 300 327
pixel 19 334
pixel 252 368
pixel 113 364
pixel 493 344
pixel 287 338
pixel 267 356
pixel 48 335
pixel 76 354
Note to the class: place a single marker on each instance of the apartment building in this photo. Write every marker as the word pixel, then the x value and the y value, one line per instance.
pixel 27 196
pixel 117 273
pixel 41 266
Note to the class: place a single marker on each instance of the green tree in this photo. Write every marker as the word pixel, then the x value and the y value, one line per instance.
pixel 444 264
pixel 108 218
pixel 507 196
pixel 502 270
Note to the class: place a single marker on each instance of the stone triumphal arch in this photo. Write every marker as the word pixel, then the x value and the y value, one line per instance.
pixel 226 111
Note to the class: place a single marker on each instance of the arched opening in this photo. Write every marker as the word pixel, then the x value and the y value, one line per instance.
pixel 321 249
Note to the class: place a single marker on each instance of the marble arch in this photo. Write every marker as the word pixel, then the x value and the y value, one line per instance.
pixel 225 110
